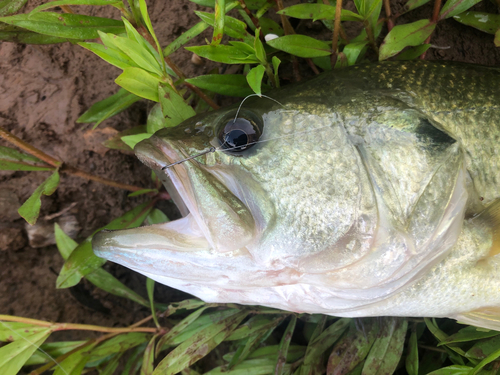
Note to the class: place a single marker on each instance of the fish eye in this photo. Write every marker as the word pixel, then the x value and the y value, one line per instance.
pixel 239 134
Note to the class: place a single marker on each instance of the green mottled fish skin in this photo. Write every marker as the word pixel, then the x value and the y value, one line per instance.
pixel 357 201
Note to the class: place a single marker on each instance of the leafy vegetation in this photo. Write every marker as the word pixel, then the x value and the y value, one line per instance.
pixel 236 339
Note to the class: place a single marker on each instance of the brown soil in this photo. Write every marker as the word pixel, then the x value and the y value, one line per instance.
pixel 43 90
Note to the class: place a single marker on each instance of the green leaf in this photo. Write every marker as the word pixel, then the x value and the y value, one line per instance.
pixel 220 6
pixel 412 53
pixel 109 54
pixel 150 287
pixel 276 63
pixel 245 349
pixel 497 38
pixel 370 10
pixel 14 355
pixel 156 120
pixel 52 350
pixel 134 362
pixel 149 357
pixel 401 36
pixel 469 333
pixel 65 244
pixel 74 364
pixel 318 12
pixel 255 325
pixel 387 349
pixel 248 367
pixel 284 346
pixel 8 7
pixel 452 370
pixel 199 345
pixel 224 54
pixel 260 52
pixel 139 82
pixel 487 22
pixel 352 349
pixel 301 46
pixel 140 55
pixel 13 160
pixel 254 78
pixel 225 84
pixel 156 216
pixel 116 142
pixel 118 344
pixel 354 50
pixel 145 16
pixel 268 26
pixel 31 208
pixel 178 328
pixel 12 331
pixel 66 25
pixel 132 140
pixel 454 7
pixel 112 365
pixel 185 37
pixel 16 34
pixel 412 357
pixel 483 348
pixel 108 107
pixel 58 3
pixel 142 192
pixel 412 4
pixel 82 260
pixel 232 26
pixel 173 106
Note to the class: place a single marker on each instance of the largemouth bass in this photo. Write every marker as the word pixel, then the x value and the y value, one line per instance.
pixel 367 191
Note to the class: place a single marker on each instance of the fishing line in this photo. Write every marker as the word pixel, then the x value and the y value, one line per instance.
pixel 37 347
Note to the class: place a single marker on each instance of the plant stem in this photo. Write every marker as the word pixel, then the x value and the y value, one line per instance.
pixel 249 14
pixel 71 326
pixel 388 14
pixel 434 19
pixel 336 31
pixel 11 138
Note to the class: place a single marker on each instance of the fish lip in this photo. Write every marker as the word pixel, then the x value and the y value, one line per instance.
pixel 157 154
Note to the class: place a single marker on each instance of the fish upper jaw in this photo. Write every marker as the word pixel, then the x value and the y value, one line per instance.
pixel 222 217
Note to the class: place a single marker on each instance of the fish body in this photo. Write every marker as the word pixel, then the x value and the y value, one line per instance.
pixel 367 191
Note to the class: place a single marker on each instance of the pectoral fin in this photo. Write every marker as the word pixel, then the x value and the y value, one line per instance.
pixel 486 317
pixel 490 217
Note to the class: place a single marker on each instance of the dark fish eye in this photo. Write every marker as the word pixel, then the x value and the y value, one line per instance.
pixel 239 134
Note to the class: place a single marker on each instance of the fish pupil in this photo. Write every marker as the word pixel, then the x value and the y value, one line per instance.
pixel 239 134
pixel 236 139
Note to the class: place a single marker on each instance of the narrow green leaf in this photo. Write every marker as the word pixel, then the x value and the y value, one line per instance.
pixel 260 52
pixel 13 160
pixel 187 304
pixel 412 357
pixel 108 107
pixel 118 344
pixel 276 63
pixel 8 7
pixel 452 370
pixel 254 78
pixel 353 51
pixel 224 54
pixel 65 244
pixel 185 37
pixel 145 16
pixel 142 192
pixel 401 36
pixel 483 348
pixel 74 364
pixel 487 22
pixel 248 367
pixel 149 357
pixel 116 142
pixel 156 120
pixel 412 53
pixel 12 331
pixel 139 82
pixel 52 350
pixel 31 208
pixel 58 3
pixel 66 25
pixel 112 365
pixel 173 106
pixel 82 260
pixel 412 4
pixel 250 345
pixel 132 140
pixel 199 345
pixel 387 349
pixel 140 55
pixel 254 325
pixel 318 12
pixel 301 46
pixel 220 6
pixel 353 348
pixel 134 361
pixel 14 355
pixel 497 38
pixel 150 287
pixel 111 55
pixel 469 333
pixel 284 346
pixel 225 84
pixel 232 26
pixel 178 328
pixel 490 358
pixel 10 33
pixel 454 7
